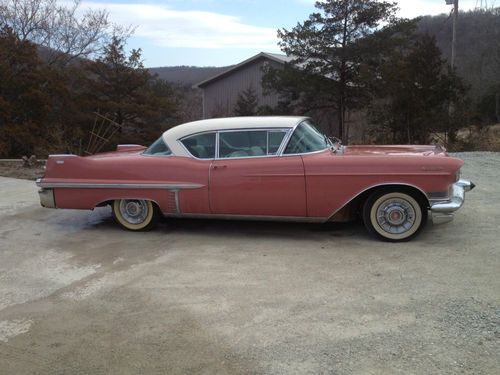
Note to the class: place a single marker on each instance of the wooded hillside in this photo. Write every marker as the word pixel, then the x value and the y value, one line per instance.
pixel 478 46
pixel 59 65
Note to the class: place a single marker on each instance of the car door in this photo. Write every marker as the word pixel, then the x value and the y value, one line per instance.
pixel 201 147
pixel 249 178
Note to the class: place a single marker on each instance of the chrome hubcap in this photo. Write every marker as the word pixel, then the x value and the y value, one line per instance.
pixel 395 216
pixel 134 211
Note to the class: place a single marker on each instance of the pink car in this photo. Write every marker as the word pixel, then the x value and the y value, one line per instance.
pixel 261 168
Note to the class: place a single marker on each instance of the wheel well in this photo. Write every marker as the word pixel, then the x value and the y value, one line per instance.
pixel 110 203
pixel 357 202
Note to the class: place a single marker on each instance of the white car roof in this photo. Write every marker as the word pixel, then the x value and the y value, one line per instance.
pixel 171 136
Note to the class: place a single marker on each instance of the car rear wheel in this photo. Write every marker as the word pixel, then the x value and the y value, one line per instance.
pixel 135 214
pixel 394 216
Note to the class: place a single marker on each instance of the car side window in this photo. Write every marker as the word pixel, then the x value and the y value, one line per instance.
pixel 237 144
pixel 250 143
pixel 201 146
pixel 158 148
pixel 274 140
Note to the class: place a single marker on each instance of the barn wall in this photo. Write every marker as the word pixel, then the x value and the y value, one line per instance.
pixel 221 95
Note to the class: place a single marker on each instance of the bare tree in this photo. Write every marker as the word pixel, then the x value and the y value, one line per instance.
pixel 64 30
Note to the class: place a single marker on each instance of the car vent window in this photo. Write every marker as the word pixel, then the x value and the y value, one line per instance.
pixel 306 138
pixel 158 148
pixel 201 146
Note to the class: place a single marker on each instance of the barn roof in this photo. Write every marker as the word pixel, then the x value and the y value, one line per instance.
pixel 282 59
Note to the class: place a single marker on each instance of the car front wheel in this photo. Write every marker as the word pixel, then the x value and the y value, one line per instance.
pixel 394 216
pixel 135 214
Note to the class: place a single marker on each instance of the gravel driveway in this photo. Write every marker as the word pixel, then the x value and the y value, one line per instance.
pixel 80 296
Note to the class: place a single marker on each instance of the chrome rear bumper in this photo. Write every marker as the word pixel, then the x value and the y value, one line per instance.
pixel 47 199
pixel 442 212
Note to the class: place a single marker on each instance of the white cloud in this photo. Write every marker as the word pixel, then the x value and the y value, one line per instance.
pixel 167 27
pixel 415 8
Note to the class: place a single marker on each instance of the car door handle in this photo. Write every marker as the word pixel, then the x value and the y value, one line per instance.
pixel 219 166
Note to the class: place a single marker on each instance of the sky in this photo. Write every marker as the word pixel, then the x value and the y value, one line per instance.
pixel 222 32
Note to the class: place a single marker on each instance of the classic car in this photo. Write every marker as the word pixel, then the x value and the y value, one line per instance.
pixel 261 168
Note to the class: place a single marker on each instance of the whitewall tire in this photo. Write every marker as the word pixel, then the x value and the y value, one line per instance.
pixel 394 216
pixel 135 214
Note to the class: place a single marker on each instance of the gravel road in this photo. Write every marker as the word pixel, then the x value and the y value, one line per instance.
pixel 80 296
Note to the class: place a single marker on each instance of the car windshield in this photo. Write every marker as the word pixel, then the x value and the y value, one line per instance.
pixel 307 138
pixel 158 147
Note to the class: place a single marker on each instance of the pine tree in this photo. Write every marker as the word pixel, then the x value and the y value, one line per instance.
pixel 119 87
pixel 246 105
pixel 30 95
pixel 415 93
pixel 328 56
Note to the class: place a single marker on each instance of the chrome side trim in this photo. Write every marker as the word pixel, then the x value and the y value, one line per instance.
pixel 247 217
pixel 84 185
pixel 377 173
pixel 177 202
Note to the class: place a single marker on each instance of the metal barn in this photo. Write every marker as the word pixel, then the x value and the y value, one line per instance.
pixel 220 92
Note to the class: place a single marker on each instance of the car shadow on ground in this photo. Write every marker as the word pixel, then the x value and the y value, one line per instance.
pixel 103 219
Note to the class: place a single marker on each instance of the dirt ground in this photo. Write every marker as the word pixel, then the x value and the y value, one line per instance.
pixel 80 296
pixel 16 170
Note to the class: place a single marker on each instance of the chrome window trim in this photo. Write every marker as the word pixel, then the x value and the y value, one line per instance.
pixel 283 142
pixel 158 156
pixel 267 130
pixel 306 153
pixel 217 140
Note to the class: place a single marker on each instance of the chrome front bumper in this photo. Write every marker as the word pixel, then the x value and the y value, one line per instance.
pixel 442 211
pixel 47 199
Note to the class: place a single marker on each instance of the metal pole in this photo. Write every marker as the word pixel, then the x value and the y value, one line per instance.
pixel 497 106
pixel 454 40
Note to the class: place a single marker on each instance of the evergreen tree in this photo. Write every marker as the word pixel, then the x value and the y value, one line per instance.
pixel 415 94
pixel 246 104
pixel 328 54
pixel 30 95
pixel 119 87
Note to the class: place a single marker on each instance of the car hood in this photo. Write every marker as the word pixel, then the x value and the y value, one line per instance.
pixel 396 150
